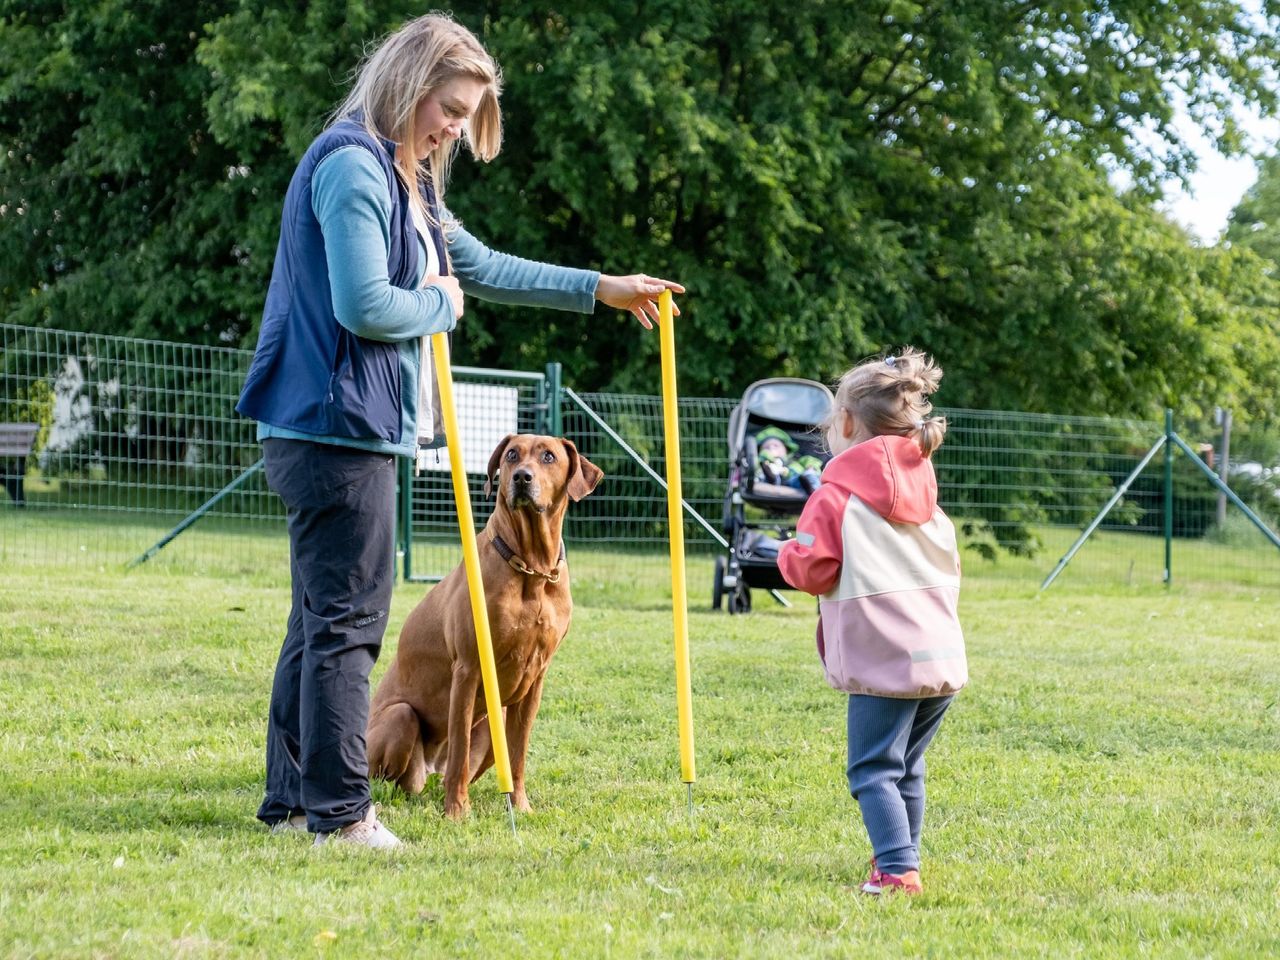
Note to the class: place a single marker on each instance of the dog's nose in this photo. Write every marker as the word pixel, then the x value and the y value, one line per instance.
pixel 522 477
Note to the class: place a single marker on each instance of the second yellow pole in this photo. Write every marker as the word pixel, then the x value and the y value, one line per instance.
pixel 675 517
pixel 471 560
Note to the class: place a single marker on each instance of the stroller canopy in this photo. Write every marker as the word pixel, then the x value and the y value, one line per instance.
pixel 787 401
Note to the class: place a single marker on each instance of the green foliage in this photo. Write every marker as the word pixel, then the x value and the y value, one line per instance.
pixel 827 178
pixel 1255 222
pixel 1261 491
pixel 1081 300
pixel 832 178
pixel 118 209
pixel 1239 532
pixel 31 404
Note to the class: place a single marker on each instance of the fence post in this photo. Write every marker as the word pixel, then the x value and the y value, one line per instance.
pixel 1168 496
pixel 541 412
pixel 554 381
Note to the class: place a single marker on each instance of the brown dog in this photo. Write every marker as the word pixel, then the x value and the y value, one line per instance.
pixel 429 714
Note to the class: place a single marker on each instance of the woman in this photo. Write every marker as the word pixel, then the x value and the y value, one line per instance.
pixel 369 265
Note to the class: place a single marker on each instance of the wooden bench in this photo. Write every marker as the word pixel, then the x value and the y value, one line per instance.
pixel 16 440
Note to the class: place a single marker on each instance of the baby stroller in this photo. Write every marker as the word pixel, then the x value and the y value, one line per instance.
pixel 797 408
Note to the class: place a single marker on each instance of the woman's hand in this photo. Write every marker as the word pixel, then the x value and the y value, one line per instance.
pixel 637 293
pixel 450 286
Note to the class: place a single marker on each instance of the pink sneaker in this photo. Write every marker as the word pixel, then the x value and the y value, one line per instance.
pixel 874 876
pixel 879 883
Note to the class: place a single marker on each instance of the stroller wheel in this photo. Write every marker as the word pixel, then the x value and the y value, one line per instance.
pixel 717 585
pixel 740 599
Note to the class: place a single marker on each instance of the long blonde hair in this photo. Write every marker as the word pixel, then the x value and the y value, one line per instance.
pixel 406 66
pixel 890 395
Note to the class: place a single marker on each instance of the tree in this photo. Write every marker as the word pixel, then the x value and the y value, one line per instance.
pixel 828 178
pixel 833 178
pixel 1078 300
pixel 1255 222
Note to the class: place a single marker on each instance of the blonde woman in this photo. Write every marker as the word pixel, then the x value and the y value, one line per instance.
pixel 369 265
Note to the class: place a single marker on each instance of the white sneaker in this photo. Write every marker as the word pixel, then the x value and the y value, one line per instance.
pixel 368 832
pixel 294 824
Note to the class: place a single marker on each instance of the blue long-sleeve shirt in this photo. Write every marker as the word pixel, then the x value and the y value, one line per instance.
pixel 350 200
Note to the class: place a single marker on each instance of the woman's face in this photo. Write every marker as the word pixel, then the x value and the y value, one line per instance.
pixel 441 115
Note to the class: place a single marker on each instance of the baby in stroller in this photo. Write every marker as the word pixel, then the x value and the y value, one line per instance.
pixel 781 463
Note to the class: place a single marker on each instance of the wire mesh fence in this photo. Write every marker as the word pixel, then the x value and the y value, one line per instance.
pixel 491 404
pixel 132 436
pixel 1020 487
pixel 632 510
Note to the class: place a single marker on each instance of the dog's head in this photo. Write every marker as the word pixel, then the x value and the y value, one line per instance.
pixel 536 473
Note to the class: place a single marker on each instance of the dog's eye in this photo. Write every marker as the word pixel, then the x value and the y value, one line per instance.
pixel 548 457
pixel 512 456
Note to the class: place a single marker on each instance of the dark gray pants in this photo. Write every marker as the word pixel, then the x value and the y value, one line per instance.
pixel 341 518
pixel 887 741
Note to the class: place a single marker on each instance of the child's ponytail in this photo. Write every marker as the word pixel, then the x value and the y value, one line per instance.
pixel 929 434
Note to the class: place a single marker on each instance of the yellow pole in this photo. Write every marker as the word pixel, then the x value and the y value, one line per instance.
pixel 471 559
pixel 675 518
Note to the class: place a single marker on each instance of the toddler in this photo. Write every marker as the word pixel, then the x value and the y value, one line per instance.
pixel 874 545
pixel 779 464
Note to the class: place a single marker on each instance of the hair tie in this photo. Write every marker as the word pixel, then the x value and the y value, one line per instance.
pixel 919 424
pixel 891 361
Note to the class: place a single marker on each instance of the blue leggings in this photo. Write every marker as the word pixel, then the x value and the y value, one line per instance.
pixel 887 741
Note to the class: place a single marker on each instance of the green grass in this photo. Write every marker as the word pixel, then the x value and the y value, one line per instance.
pixel 1109 785
pixel 1238 556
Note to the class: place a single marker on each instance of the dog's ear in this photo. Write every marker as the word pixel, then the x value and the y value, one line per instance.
pixel 583 474
pixel 495 464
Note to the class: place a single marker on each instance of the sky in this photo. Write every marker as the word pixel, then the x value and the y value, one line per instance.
pixel 1220 182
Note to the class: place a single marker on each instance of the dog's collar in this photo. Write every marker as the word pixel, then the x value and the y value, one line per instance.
pixel 517 564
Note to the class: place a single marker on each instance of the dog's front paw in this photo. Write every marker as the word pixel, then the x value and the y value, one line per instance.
pixel 521 802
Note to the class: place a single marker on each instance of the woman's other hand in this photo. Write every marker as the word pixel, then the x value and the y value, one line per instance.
pixel 450 286
pixel 637 293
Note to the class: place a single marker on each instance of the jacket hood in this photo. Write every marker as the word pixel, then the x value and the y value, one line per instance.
pixel 890 475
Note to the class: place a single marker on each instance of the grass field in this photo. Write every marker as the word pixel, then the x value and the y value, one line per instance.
pixel 1108 786
pixel 258 550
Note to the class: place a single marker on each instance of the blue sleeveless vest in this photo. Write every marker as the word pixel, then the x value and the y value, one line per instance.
pixel 309 373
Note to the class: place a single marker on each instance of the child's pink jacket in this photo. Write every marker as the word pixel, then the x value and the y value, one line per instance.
pixel 874 544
